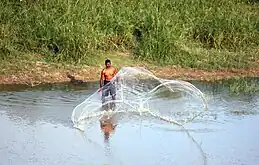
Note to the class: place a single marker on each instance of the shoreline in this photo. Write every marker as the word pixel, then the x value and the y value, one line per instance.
pixel 34 75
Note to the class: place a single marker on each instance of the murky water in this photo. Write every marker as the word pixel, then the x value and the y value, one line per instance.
pixel 36 129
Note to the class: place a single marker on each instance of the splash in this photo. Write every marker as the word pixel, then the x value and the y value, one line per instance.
pixel 140 92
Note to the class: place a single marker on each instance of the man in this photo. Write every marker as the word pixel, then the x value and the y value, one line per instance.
pixel 106 85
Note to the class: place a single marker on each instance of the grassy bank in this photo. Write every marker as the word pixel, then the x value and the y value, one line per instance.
pixel 185 33
pixel 33 70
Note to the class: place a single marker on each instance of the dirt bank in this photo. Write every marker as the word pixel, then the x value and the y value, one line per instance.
pixel 40 72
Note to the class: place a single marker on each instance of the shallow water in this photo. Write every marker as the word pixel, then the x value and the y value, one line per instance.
pixel 36 128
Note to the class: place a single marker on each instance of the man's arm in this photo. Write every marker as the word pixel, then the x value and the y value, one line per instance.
pixel 101 79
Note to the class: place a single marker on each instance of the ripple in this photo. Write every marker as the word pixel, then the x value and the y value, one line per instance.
pixel 39 99
pixel 36 127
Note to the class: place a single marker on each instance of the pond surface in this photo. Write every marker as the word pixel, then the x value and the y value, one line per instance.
pixel 36 129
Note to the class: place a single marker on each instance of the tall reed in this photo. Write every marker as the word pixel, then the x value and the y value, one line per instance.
pixel 166 31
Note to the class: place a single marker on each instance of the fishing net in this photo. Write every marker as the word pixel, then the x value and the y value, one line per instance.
pixel 141 93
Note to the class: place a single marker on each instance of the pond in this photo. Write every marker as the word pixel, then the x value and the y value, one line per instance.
pixel 36 128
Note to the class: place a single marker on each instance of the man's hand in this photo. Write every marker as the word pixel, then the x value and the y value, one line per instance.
pixel 99 90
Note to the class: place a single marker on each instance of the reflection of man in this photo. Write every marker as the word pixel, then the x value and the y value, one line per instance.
pixel 106 85
pixel 108 125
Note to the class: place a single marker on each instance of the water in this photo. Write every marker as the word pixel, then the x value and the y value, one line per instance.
pixel 36 128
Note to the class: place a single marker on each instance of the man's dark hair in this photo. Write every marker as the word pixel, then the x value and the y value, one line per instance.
pixel 107 61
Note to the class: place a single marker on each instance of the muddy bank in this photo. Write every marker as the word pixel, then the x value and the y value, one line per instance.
pixel 40 74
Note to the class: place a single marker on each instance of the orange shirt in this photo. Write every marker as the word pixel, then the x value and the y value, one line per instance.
pixel 108 73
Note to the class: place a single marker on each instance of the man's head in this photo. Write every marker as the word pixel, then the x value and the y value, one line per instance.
pixel 107 63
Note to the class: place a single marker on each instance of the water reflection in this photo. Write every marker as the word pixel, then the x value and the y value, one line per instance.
pixel 49 87
pixel 108 123
pixel 36 129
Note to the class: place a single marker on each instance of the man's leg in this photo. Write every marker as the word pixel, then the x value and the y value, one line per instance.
pixel 105 93
pixel 113 94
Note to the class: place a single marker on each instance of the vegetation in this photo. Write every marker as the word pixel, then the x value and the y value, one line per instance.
pixel 237 85
pixel 244 85
pixel 185 33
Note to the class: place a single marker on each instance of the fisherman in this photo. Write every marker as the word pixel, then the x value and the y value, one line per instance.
pixel 106 85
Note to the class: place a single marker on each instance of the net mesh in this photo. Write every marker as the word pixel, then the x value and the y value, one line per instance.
pixel 140 92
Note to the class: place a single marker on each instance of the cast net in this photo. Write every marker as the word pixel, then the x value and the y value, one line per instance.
pixel 141 93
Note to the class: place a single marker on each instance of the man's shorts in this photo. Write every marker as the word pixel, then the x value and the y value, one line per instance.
pixel 108 88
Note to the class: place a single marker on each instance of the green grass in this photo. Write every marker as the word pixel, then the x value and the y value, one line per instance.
pixel 242 85
pixel 238 85
pixel 187 33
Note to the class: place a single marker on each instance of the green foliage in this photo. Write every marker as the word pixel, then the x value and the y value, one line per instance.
pixel 242 85
pixel 77 30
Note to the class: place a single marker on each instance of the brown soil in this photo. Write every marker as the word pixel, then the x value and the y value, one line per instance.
pixel 40 73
